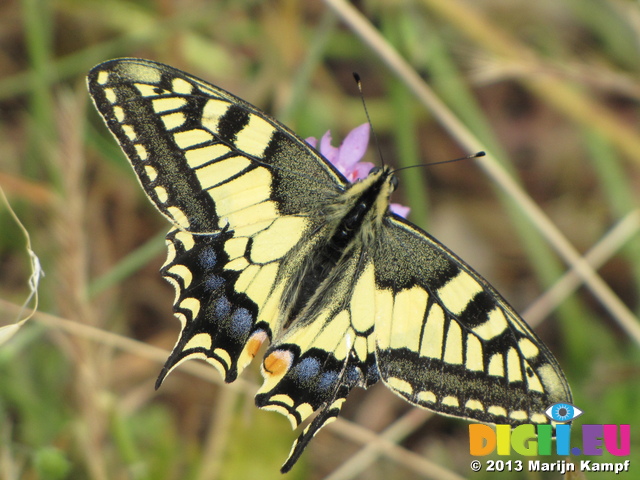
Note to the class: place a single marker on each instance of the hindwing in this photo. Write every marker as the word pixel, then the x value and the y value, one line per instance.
pixel 449 342
pixel 325 354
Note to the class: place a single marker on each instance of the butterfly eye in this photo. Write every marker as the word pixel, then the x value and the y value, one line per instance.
pixel 374 170
pixel 563 412
pixel 394 182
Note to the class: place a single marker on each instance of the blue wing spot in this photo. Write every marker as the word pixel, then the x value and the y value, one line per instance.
pixel 305 371
pixel 241 322
pixel 213 282
pixel 353 376
pixel 208 258
pixel 328 380
pixel 223 307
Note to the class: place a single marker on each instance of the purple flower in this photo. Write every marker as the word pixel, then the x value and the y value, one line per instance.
pixel 346 157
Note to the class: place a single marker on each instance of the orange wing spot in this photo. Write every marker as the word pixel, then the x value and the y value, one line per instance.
pixel 278 362
pixel 255 342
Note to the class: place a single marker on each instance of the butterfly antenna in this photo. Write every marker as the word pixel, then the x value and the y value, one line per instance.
pixel 467 157
pixel 366 112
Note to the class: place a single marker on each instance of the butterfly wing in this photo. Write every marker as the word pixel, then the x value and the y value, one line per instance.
pixel 407 310
pixel 241 190
pixel 447 341
pixel 327 351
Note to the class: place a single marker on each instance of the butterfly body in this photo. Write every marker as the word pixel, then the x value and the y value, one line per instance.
pixel 270 243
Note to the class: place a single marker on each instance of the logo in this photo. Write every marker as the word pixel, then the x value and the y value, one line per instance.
pixel 563 412
pixel 531 440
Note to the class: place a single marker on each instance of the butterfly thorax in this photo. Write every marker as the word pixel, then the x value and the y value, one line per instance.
pixel 350 229
pixel 358 213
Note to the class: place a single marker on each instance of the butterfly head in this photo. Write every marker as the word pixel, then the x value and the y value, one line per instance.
pixel 387 175
pixel 366 203
pixel 381 182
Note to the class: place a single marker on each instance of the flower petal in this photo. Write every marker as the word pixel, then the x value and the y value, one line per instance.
pixel 327 150
pixel 346 158
pixel 359 171
pixel 354 146
pixel 399 209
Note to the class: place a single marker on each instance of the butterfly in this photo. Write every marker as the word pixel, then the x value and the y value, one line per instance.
pixel 269 242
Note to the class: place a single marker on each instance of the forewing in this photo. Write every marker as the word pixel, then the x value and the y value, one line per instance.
pixel 206 158
pixel 447 341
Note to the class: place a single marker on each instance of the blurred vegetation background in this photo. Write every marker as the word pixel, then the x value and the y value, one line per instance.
pixel 550 89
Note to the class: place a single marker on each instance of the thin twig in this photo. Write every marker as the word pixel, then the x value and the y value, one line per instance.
pixel 602 251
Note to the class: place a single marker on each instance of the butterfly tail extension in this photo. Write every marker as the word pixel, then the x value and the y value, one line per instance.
pixel 326 415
